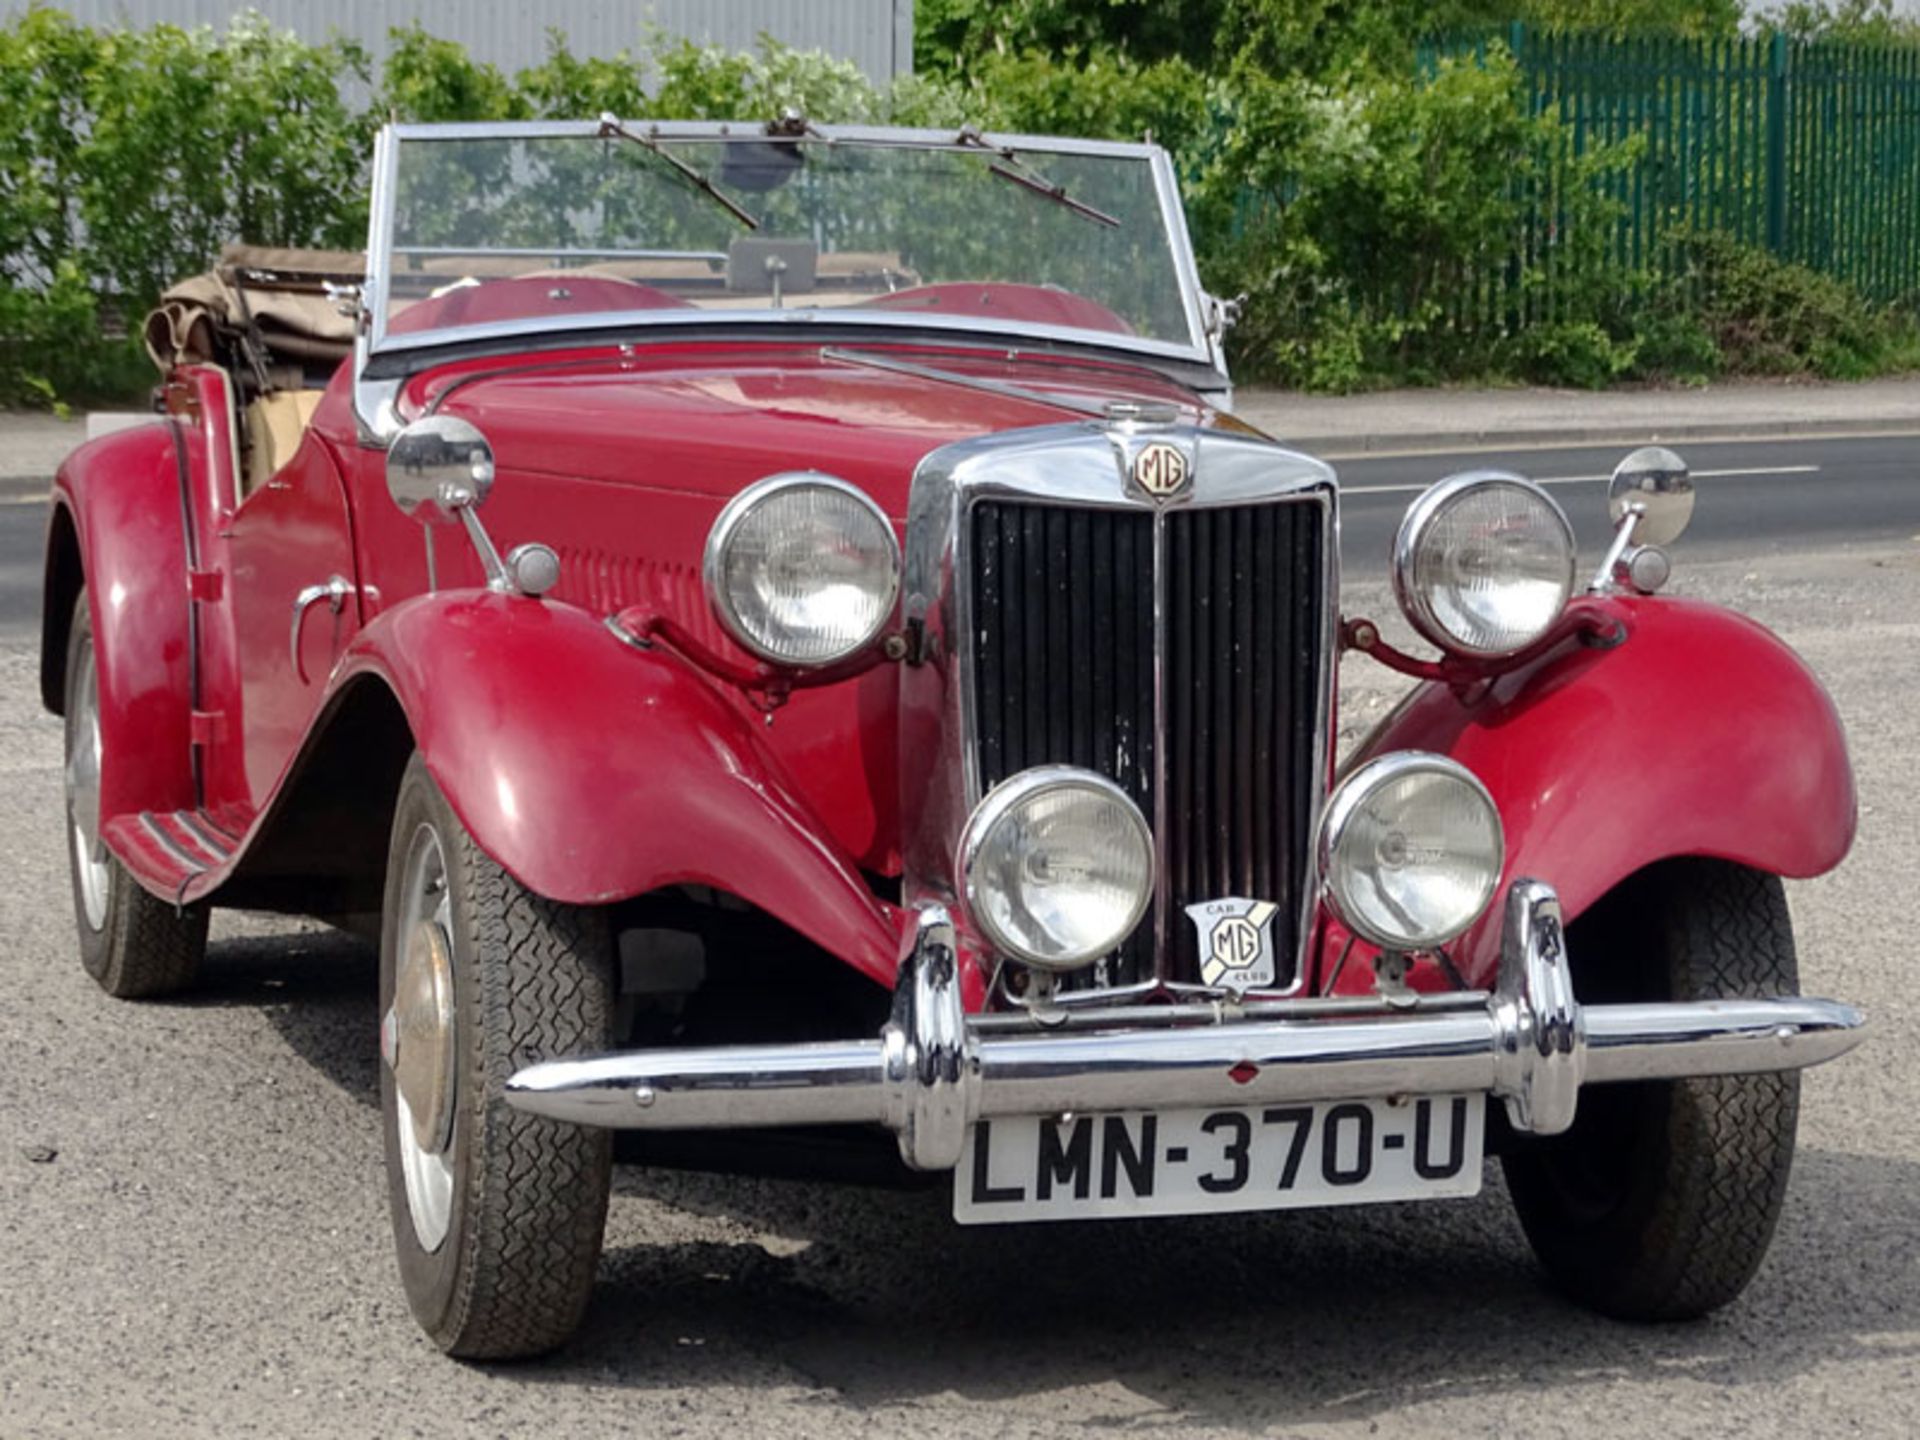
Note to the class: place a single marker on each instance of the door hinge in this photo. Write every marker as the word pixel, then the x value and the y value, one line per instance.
pixel 206 586
pixel 206 727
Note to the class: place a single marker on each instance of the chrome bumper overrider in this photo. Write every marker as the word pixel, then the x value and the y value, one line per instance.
pixel 933 1070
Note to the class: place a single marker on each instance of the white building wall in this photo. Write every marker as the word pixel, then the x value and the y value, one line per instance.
pixel 877 35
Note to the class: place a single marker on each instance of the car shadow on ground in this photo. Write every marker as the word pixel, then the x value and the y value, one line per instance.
pixel 873 1297
pixel 318 987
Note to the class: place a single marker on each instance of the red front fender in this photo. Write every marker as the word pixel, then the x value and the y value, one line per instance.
pixel 592 771
pixel 120 500
pixel 1701 734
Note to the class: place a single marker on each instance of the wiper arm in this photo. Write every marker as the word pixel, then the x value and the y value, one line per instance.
pixel 1009 166
pixel 610 126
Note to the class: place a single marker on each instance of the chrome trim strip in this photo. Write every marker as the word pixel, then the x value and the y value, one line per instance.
pixel 1163 872
pixel 374 401
pixel 746 131
pixel 193 864
pixel 932 1071
pixel 795 319
pixel 196 825
pixel 1173 217
pixel 1218 1012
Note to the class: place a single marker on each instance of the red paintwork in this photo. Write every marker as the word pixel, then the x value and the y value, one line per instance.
pixel 679 789
pixel 1029 304
pixel 293 532
pixel 1702 734
pixel 594 771
pixel 530 297
pixel 122 494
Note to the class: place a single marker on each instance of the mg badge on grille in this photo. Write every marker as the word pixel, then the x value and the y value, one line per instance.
pixel 1161 470
pixel 1236 942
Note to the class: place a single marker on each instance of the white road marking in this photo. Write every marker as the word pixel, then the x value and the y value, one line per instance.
pixel 1533 447
pixel 40 499
pixel 1757 470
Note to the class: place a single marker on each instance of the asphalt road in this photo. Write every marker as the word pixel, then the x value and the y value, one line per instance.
pixel 207 1250
pixel 1757 497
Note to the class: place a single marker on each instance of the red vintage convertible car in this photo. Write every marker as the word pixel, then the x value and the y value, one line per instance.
pixel 780 630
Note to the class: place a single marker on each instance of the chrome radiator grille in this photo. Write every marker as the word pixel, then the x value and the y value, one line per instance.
pixel 1064 664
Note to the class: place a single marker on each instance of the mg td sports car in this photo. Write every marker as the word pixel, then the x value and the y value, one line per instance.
pixel 779 630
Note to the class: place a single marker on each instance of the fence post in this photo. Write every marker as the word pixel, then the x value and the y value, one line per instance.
pixel 1777 145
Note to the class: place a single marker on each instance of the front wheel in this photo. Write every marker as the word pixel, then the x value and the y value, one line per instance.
pixel 1660 1202
pixel 497 1215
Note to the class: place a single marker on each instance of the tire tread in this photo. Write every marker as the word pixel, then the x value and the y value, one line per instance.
pixel 1713 1166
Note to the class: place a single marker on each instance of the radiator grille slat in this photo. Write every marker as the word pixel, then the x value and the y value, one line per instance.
pixel 1064 669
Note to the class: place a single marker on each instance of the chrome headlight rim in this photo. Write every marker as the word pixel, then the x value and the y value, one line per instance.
pixel 1417 606
pixel 713 564
pixel 1347 797
pixel 993 808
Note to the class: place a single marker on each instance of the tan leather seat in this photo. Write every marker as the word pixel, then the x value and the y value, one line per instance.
pixel 275 424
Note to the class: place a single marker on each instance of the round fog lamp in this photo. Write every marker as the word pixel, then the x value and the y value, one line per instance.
pixel 803 569
pixel 1057 866
pixel 1483 564
pixel 1410 850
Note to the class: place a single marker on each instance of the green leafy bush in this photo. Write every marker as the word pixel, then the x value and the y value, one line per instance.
pixel 1768 316
pixel 1374 205
pixel 127 158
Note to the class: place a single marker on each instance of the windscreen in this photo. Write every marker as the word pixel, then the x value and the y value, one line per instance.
pixel 530 228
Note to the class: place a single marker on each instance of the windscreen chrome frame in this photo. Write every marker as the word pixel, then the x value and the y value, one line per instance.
pixel 375 395
pixel 1083 465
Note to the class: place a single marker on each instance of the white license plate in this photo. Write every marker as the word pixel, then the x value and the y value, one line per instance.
pixel 1186 1162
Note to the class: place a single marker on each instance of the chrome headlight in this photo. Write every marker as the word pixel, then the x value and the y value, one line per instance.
pixel 803 569
pixel 1483 563
pixel 1410 850
pixel 1057 866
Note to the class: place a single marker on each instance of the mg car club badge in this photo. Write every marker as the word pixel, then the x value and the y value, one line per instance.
pixel 1161 470
pixel 1236 942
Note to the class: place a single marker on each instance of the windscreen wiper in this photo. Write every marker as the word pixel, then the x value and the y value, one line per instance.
pixel 610 126
pixel 1009 166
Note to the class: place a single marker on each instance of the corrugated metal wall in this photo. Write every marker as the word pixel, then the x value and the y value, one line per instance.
pixel 877 35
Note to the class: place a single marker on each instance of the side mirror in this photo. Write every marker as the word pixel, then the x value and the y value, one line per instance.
pixel 1654 482
pixel 439 466
pixel 440 469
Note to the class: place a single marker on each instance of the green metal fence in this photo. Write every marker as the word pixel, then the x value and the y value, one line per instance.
pixel 1810 150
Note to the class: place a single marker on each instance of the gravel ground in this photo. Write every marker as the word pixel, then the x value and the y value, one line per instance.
pixel 207 1250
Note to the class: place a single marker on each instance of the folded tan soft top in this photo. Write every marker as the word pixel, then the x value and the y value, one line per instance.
pixel 259 306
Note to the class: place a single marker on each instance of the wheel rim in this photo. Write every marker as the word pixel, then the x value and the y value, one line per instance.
pixel 90 869
pixel 418 1036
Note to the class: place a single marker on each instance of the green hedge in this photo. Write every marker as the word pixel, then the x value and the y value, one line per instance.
pixel 1358 213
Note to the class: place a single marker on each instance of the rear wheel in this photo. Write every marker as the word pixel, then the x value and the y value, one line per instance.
pixel 1660 1202
pixel 132 943
pixel 497 1215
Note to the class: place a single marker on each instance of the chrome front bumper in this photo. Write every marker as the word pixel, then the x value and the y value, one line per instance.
pixel 933 1070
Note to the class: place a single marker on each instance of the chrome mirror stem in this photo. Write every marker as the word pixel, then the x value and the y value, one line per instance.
pixel 1602 582
pixel 490 561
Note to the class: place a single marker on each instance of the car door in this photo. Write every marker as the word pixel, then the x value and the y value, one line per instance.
pixel 293 605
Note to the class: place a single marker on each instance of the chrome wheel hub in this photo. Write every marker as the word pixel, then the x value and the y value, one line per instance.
pixel 83 796
pixel 422 1033
pixel 418 1040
